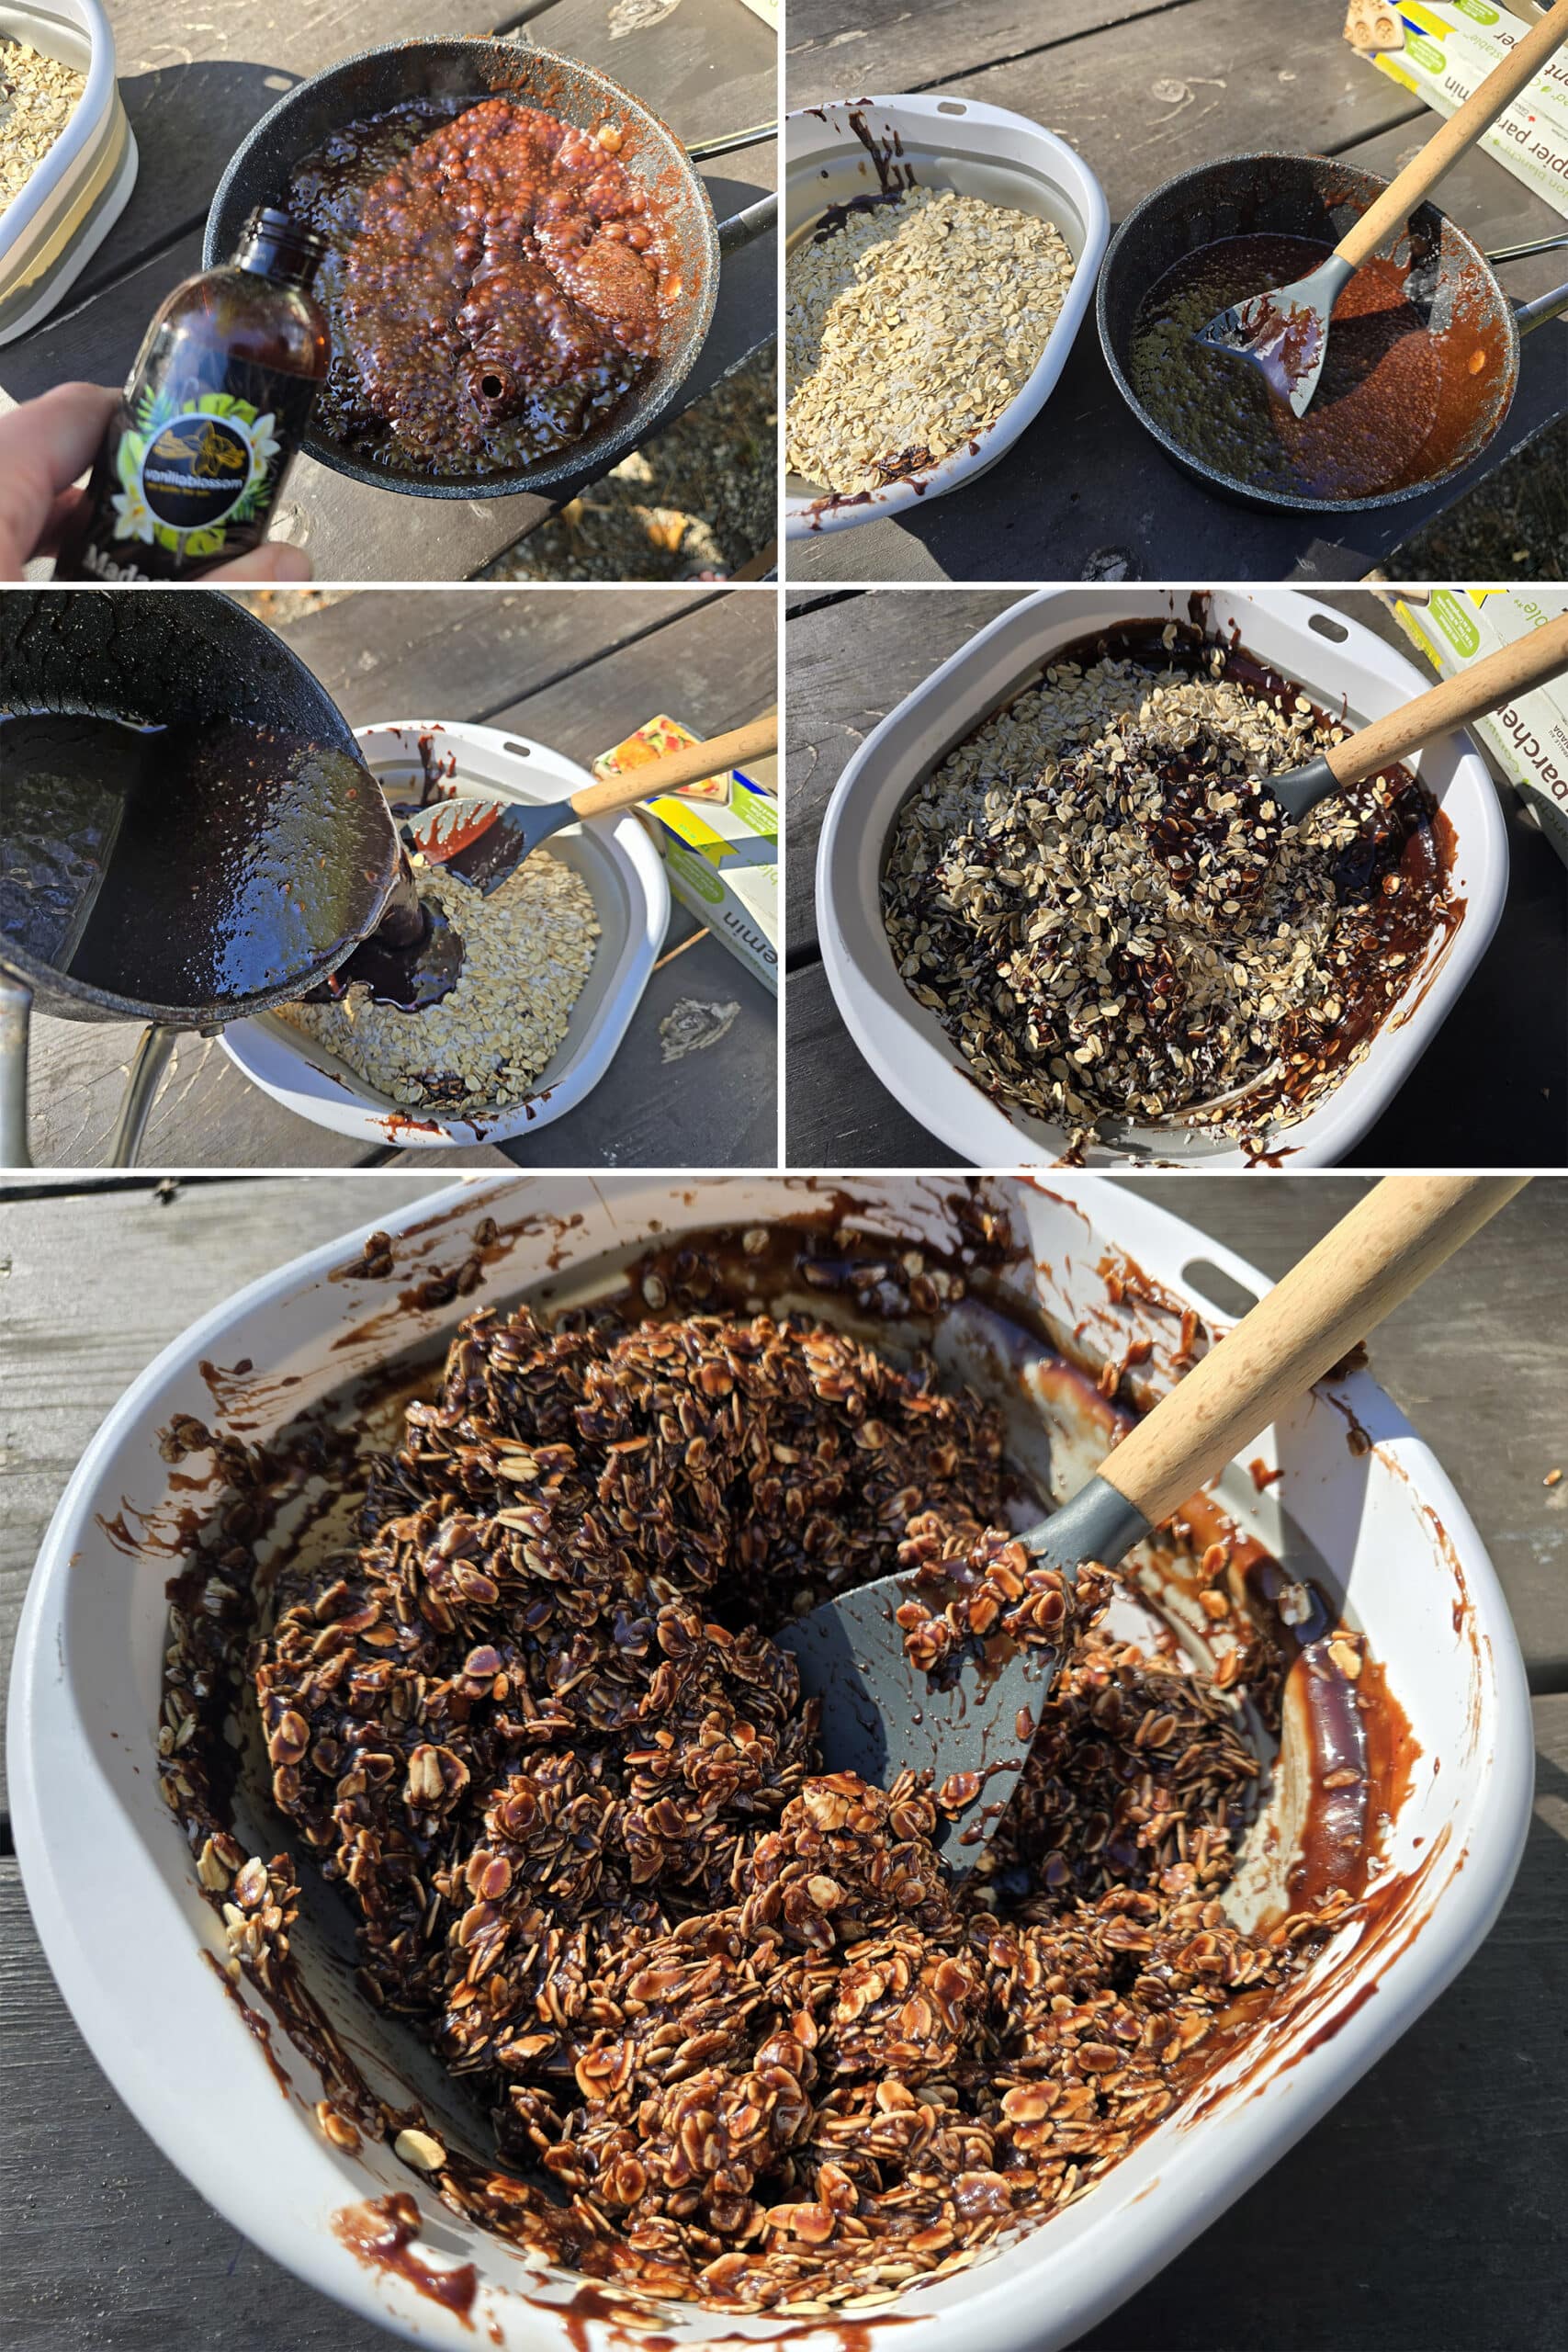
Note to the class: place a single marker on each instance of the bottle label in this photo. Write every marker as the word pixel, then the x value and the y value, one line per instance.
pixel 193 472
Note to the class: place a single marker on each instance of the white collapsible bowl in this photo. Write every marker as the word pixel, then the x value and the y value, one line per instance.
pixel 980 151
pixel 111 1881
pixel 631 898
pixel 1342 665
pixel 50 233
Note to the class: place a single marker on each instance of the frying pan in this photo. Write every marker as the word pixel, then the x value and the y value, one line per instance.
pixel 376 79
pixel 1316 196
pixel 164 655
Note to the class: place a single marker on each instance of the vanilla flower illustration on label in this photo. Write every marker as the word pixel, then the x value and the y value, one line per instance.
pixel 187 468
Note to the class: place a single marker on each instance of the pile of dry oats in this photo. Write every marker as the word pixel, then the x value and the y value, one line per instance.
pixel 729 2011
pixel 910 329
pixel 1097 898
pixel 527 951
pixel 38 94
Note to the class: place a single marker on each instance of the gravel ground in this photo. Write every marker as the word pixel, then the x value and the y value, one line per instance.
pixel 700 500
pixel 1512 526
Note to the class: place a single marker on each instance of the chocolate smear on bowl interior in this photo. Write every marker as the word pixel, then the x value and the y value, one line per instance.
pixel 727 2033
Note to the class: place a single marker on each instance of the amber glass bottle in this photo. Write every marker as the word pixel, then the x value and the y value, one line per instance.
pixel 212 411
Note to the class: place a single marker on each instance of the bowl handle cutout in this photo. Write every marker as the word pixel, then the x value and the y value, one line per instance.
pixel 1216 1289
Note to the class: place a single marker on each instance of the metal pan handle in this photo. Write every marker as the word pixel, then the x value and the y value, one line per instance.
pixel 1520 253
pixel 744 227
pixel 1545 306
pixel 147 1066
pixel 15 1011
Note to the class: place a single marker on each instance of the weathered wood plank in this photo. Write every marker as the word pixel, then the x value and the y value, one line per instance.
pixel 713 1108
pixel 91 1287
pixel 712 668
pixel 410 653
pixel 1150 95
pixel 206 1116
pixel 111 2250
pixel 837 1114
pixel 889 46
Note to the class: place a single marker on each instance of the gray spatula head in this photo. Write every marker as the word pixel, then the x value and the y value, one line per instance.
pixel 483 840
pixel 882 1715
pixel 1285 331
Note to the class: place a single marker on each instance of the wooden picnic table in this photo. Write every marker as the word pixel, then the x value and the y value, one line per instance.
pixel 577 669
pixel 1144 90
pixel 1426 2211
pixel 196 77
pixel 1491 1092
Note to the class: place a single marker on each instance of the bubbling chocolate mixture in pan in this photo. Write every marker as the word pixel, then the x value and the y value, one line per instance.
pixel 492 281
pixel 1394 404
pixel 741 2039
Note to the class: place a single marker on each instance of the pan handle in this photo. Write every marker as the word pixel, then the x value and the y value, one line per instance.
pixel 744 227
pixel 1520 253
pixel 147 1068
pixel 15 1009
pixel 1545 306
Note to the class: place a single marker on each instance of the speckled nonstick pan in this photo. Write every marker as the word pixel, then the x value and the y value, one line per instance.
pixel 161 655
pixel 377 79
pixel 1308 195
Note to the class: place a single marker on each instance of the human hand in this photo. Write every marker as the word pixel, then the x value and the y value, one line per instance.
pixel 44 445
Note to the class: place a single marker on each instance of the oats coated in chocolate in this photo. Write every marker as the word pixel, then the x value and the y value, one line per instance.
pixel 742 2040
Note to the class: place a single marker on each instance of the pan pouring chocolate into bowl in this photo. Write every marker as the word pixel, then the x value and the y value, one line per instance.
pixel 515 299
pixel 1419 372
pixel 187 833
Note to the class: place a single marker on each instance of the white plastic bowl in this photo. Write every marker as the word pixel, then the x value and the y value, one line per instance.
pixel 631 896
pixel 980 151
pixel 125 1936
pixel 1337 660
pixel 50 233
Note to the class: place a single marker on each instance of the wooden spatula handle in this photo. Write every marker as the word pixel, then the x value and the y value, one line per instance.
pixel 1486 686
pixel 752 741
pixel 1479 111
pixel 1361 1270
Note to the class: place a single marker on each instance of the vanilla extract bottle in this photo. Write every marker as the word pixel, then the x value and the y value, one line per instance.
pixel 213 412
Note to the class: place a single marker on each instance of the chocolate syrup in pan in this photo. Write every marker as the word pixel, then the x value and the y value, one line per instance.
pixel 188 865
pixel 1396 403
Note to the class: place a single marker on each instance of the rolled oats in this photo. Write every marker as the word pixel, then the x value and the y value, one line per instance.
pixel 743 2041
pixel 910 328
pixel 1099 899
pixel 528 948
pixel 37 96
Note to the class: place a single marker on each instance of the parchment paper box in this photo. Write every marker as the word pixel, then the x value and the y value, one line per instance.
pixel 1530 736
pixel 719 841
pixel 1450 46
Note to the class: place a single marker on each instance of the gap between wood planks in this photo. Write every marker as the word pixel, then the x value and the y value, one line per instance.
pixel 579 669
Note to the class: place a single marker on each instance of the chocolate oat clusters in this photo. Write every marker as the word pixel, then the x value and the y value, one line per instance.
pixel 743 2040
